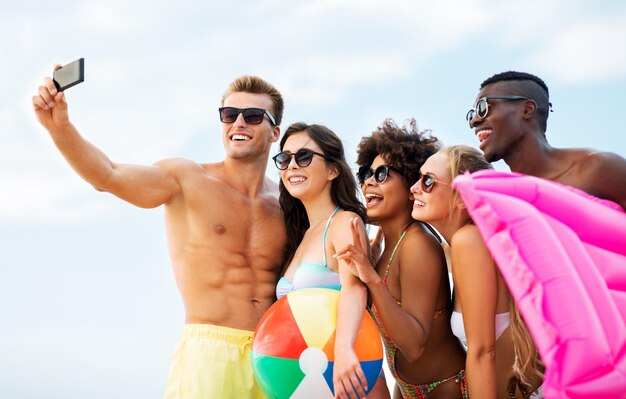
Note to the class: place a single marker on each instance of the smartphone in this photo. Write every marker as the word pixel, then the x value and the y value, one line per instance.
pixel 69 75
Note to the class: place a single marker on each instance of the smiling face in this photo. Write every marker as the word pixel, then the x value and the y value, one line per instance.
pixel 243 140
pixel 388 199
pixel 309 181
pixel 435 206
pixel 501 130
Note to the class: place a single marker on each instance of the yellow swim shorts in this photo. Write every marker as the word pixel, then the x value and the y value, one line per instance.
pixel 212 362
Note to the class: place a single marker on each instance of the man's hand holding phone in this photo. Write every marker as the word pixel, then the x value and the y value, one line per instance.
pixel 69 75
pixel 49 103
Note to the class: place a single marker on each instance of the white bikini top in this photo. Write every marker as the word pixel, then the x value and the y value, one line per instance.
pixel 458 327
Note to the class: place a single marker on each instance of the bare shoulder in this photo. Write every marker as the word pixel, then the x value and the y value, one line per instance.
pixel 269 199
pixel 603 174
pixel 346 216
pixel 340 230
pixel 466 237
pixel 601 160
pixel 270 189
pixel 197 180
pixel 470 254
pixel 173 163
pixel 180 166
pixel 271 185
pixel 419 240
pixel 341 222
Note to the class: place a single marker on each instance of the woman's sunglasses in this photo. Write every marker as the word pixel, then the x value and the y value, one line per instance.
pixel 252 116
pixel 427 183
pixel 303 157
pixel 482 106
pixel 380 174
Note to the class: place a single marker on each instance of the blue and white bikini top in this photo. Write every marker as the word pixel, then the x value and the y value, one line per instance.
pixel 311 275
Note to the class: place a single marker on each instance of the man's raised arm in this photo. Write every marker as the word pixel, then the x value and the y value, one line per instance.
pixel 143 186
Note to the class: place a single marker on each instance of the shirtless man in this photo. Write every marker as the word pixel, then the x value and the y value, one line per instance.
pixel 225 231
pixel 510 118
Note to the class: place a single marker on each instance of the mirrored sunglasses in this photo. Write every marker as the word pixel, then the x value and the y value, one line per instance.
pixel 481 109
pixel 427 183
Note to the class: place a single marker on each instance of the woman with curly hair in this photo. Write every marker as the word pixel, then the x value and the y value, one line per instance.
pixel 409 286
pixel 502 360
pixel 318 197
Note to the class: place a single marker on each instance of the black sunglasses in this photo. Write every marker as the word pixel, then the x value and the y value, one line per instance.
pixel 427 183
pixel 303 157
pixel 482 106
pixel 253 116
pixel 380 174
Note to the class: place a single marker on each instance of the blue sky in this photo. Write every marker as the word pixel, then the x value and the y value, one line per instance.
pixel 88 304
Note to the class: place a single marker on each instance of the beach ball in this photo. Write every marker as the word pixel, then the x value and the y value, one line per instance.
pixel 293 346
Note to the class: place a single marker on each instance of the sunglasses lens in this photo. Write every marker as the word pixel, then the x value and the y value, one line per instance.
pixel 304 158
pixel 427 183
pixel 470 115
pixel 363 174
pixel 381 174
pixel 481 108
pixel 282 160
pixel 228 114
pixel 253 116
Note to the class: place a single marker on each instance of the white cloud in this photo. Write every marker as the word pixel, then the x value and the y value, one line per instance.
pixel 586 52
pixel 45 196
pixel 569 42
pixel 327 78
pixel 83 361
pixel 513 24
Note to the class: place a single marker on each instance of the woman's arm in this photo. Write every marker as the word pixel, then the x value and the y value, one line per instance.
pixel 477 289
pixel 347 372
pixel 409 325
pixel 419 261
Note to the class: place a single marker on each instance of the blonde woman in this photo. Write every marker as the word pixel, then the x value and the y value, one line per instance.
pixel 502 361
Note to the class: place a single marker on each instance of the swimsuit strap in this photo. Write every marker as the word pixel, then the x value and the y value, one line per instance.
pixel 326 231
pixel 433 232
pixel 439 312
pixel 394 251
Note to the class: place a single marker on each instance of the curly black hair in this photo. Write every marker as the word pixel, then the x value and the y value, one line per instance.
pixel 404 148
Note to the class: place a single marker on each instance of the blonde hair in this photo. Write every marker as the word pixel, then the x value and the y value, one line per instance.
pixel 461 159
pixel 527 363
pixel 256 85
